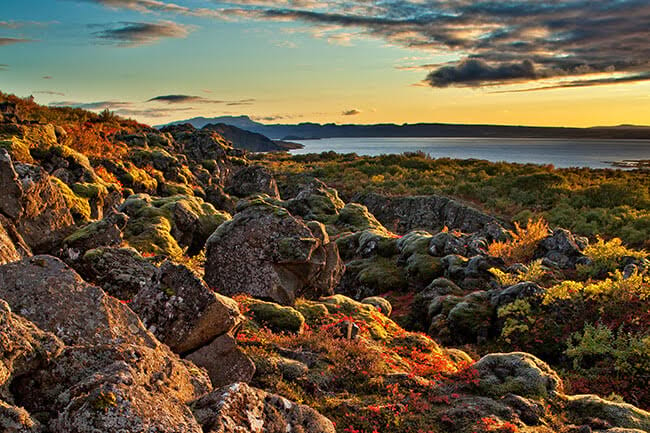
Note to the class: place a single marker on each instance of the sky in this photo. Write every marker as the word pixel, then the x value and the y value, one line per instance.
pixel 514 62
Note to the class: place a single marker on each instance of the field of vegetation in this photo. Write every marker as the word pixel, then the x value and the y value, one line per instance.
pixel 609 203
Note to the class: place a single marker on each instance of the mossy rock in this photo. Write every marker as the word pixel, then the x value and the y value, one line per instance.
pixel 90 190
pixel 380 273
pixel 170 189
pixel 583 408
pixel 382 304
pixel 415 242
pixel 18 149
pixel 314 312
pixel 379 326
pixel 152 235
pixel 356 217
pixel 458 356
pixel 79 206
pixel 277 317
pixel 423 268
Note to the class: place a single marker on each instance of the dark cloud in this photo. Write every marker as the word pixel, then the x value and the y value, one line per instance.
pixel 474 72
pixel 184 99
pixel 351 112
pixel 11 41
pixel 47 77
pixel 131 34
pixel 99 105
pixel 586 83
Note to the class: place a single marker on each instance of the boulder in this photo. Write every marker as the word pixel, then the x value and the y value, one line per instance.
pixel 181 311
pixel 46 219
pixel 561 249
pixel 24 347
pixel 47 292
pixel 382 304
pixel 267 253
pixel 252 179
pixel 8 251
pixel 316 201
pixel 585 408
pixel 102 233
pixel 430 212
pixel 517 373
pixel 224 361
pixel 121 272
pixel 14 419
pixel 240 408
pixel 277 317
pixel 11 191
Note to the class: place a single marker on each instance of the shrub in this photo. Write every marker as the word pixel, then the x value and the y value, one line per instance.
pixel 522 243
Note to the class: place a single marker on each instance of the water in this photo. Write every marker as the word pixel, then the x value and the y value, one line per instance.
pixel 560 152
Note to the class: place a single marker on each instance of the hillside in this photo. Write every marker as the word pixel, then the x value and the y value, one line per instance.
pixel 168 281
pixel 315 130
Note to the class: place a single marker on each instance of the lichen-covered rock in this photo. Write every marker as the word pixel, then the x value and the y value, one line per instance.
pixel 224 361
pixel 109 387
pixel 316 201
pixel 372 277
pixel 581 409
pixel 355 217
pixel 47 292
pixel 460 319
pixel 46 219
pixel 8 251
pixel 15 419
pixel 121 272
pixel 431 212
pixel 561 248
pixel 23 346
pixel 181 311
pixel 239 408
pixel 517 373
pixel 267 253
pixel 11 190
pixel 252 180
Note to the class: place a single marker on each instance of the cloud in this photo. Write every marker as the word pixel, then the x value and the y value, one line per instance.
pixel 11 41
pixel 3 67
pixel 47 77
pixel 132 34
pixel 99 105
pixel 586 83
pixel 49 92
pixel 474 72
pixel 351 112
pixel 184 99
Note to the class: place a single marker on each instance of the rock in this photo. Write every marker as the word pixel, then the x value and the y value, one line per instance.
pixel 461 319
pixel 355 217
pixel 562 248
pixel 24 347
pixel 8 251
pixel 525 289
pixel 181 311
pixel 517 373
pixel 102 233
pixel 15 419
pixel 252 180
pixel 431 212
pixel 382 304
pixel 244 139
pixel 267 253
pixel 224 361
pixel 277 317
pixel 11 191
pixel 118 387
pixel 372 277
pixel 46 219
pixel 583 408
pixel 239 408
pixel 529 411
pixel 316 201
pixel 47 292
pixel 121 272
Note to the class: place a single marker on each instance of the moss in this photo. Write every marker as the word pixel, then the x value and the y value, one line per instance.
pixel 90 190
pixel 355 217
pixel 79 207
pixel 168 188
pixel 277 317
pixel 382 304
pixel 582 408
pixel 380 273
pixel 152 235
pixel 423 268
pixel 379 326
pixel 314 313
pixel 293 249
pixel 18 149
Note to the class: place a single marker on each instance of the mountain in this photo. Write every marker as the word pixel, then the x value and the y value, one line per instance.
pixel 331 130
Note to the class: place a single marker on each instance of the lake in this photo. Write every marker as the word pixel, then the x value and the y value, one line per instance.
pixel 559 152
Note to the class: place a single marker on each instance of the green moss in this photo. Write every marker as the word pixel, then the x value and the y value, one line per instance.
pixel 380 273
pixel 152 235
pixel 355 217
pixel 313 312
pixel 79 206
pixel 168 188
pixel 277 317
pixel 423 268
pixel 90 190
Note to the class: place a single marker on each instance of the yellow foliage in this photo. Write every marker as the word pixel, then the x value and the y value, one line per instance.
pixel 534 273
pixel 615 287
pixel 522 244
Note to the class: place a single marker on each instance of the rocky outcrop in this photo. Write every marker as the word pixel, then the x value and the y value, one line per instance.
pixel 182 312
pixel 224 361
pixel 431 212
pixel 251 180
pixel 103 233
pixel 267 253
pixel 241 408
pixel 121 272
pixel 243 139
pixel 562 249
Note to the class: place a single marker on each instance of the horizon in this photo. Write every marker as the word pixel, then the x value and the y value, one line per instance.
pixel 565 64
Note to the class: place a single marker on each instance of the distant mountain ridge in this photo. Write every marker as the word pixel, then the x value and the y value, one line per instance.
pixel 331 130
